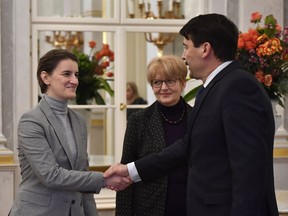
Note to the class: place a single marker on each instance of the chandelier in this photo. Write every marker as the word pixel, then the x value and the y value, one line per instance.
pixel 159 39
pixel 65 40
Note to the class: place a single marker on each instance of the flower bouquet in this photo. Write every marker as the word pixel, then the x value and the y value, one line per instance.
pixel 94 69
pixel 263 50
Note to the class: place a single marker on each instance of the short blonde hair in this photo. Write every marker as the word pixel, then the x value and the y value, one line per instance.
pixel 169 65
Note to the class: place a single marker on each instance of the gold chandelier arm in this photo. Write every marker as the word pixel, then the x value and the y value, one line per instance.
pixel 162 39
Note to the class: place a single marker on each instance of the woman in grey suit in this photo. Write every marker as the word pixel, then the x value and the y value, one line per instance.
pixel 151 130
pixel 52 147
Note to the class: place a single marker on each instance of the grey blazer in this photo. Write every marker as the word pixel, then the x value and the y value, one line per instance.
pixel 51 183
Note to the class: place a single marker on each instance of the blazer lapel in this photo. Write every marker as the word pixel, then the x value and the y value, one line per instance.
pixel 58 129
pixel 76 128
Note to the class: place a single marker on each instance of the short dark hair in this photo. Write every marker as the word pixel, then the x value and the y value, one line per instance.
pixel 49 61
pixel 216 29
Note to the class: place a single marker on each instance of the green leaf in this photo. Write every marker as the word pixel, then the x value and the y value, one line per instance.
pixel 191 94
pixel 99 99
pixel 105 85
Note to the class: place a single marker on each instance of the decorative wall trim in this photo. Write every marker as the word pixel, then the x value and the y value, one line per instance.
pixel 106 200
pixel 280 152
pixel 6 160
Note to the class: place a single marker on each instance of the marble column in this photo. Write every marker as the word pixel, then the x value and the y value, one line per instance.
pixel 7 165
pixel 15 55
pixel 6 155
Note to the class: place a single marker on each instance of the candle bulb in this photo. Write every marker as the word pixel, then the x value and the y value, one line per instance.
pixel 130 7
pixel 170 6
pixel 146 6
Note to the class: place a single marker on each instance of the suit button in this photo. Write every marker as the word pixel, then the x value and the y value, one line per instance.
pixel 73 201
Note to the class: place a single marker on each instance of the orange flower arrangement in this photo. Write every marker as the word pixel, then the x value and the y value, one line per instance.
pixel 93 71
pixel 264 53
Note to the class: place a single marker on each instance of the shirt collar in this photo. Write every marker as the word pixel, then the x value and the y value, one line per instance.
pixel 215 72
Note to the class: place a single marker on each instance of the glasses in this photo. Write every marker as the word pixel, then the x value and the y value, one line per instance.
pixel 168 82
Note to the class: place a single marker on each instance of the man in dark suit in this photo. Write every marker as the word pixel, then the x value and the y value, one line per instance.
pixel 229 144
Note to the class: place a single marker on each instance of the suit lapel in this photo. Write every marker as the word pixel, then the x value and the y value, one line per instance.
pixel 58 129
pixel 206 91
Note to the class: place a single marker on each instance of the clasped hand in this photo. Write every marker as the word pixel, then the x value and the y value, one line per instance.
pixel 117 177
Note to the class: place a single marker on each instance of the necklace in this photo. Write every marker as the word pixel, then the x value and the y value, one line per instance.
pixel 170 121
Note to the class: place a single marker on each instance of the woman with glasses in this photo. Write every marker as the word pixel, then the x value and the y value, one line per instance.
pixel 151 130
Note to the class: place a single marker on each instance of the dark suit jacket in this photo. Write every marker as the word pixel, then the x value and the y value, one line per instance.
pixel 230 149
pixel 52 183
pixel 144 135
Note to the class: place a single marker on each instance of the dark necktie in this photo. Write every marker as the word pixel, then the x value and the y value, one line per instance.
pixel 199 93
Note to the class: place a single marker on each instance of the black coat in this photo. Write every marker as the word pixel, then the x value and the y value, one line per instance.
pixel 144 135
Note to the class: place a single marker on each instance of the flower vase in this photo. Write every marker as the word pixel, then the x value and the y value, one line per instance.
pixel 277 116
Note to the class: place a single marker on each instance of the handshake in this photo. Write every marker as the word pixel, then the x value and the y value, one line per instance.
pixel 117 177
